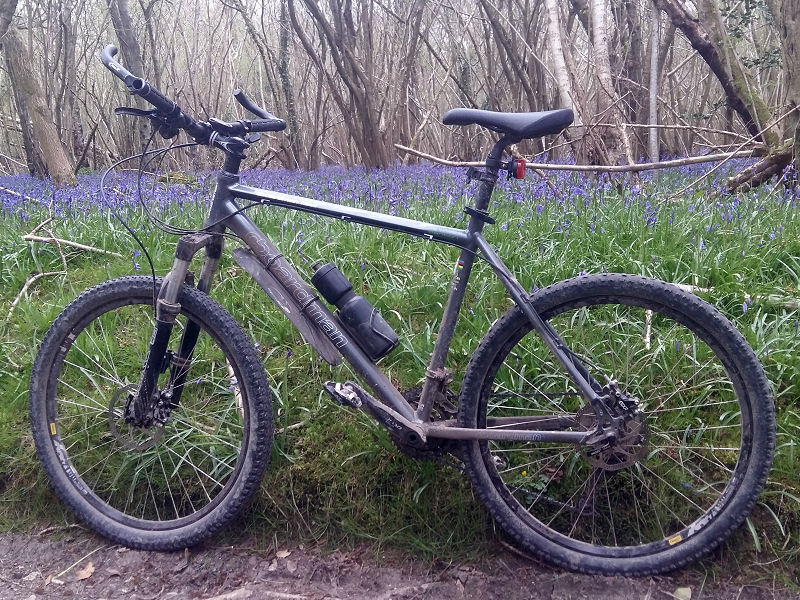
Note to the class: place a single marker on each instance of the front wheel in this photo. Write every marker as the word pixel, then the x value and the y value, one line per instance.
pixel 693 452
pixel 173 483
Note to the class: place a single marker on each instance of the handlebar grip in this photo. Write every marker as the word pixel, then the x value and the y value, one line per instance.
pixel 137 85
pixel 271 124
pixel 164 105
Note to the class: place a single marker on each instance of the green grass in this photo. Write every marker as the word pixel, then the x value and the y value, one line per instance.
pixel 339 478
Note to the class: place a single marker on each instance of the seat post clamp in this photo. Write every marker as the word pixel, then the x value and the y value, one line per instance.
pixel 481 215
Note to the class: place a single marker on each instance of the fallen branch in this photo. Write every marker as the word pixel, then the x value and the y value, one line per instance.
pixel 666 164
pixel 290 427
pixel 36 238
pixel 17 194
pixel 31 280
pixel 42 224
pixel 778 301
pixel 772 164
pixel 76 563
pixel 59 528
pixel 648 314
pixel 743 144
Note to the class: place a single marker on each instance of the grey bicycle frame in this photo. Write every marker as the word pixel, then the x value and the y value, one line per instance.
pixel 226 213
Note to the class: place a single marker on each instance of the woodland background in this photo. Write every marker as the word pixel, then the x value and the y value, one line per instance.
pixel 646 78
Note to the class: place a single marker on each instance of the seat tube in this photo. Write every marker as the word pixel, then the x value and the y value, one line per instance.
pixel 436 376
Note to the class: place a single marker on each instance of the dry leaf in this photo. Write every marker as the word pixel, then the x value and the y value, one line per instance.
pixel 183 563
pixel 85 572
pixel 283 553
pixel 683 593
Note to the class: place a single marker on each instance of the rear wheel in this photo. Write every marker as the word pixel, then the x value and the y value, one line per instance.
pixel 169 485
pixel 693 451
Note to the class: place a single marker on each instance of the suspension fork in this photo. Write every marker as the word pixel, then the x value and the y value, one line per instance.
pixel 139 409
pixel 181 360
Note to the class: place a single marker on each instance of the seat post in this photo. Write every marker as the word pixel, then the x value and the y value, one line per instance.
pixel 488 178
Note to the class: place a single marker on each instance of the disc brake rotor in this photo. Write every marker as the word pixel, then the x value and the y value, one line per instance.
pixel 630 446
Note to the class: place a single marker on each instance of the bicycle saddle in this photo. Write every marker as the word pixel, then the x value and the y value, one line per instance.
pixel 518 125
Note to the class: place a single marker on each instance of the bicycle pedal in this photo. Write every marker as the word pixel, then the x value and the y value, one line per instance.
pixel 342 393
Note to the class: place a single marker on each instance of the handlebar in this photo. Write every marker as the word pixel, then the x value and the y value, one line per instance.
pixel 267 122
pixel 170 113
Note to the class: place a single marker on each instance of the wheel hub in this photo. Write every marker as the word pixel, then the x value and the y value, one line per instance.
pixel 631 441
pixel 127 434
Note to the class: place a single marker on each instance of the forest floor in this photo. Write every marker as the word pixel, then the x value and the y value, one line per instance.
pixel 73 563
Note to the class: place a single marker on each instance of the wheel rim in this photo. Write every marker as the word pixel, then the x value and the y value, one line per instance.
pixel 157 478
pixel 678 473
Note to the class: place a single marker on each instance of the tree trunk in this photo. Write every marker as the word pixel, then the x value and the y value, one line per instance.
pixel 652 136
pixel 47 156
pixel 708 37
pixel 132 60
pixel 705 34
pixel 630 81
pixel 557 53
pixel 7 8
pixel 294 151
pixel 354 66
pixel 787 18
pixel 147 13
pixel 608 103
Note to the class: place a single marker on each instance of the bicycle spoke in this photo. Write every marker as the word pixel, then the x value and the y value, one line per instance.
pixel 678 457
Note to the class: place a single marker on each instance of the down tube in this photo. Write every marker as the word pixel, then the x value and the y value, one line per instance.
pixel 272 259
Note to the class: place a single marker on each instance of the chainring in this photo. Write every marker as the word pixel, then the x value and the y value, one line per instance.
pixel 434 448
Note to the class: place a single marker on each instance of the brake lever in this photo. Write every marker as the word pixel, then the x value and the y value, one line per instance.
pixel 165 130
pixel 137 112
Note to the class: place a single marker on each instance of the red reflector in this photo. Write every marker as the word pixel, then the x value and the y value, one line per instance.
pixel 520 168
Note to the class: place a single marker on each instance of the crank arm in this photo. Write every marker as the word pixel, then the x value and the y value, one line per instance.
pixel 352 394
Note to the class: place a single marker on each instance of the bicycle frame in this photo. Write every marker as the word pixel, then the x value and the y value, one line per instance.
pixel 226 214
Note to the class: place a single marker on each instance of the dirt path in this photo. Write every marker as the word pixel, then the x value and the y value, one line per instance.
pixel 81 565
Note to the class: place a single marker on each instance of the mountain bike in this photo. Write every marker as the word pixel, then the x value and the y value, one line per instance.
pixel 609 423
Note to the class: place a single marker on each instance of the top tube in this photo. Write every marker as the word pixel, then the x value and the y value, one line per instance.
pixel 429 231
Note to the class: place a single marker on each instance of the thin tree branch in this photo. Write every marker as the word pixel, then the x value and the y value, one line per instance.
pixel 666 164
pixel 692 127
pixel 31 280
pixel 742 145
pixel 36 238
